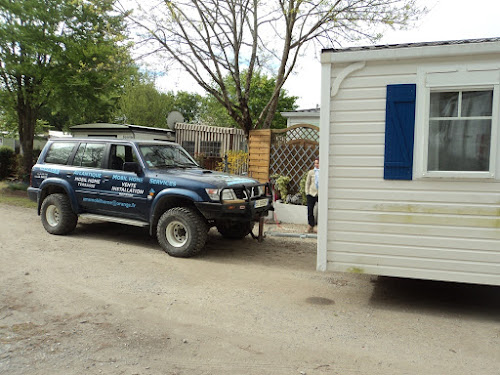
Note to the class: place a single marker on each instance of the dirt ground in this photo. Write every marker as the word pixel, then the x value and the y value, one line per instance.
pixel 106 299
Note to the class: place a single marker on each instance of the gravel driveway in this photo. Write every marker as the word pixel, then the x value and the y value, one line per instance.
pixel 106 299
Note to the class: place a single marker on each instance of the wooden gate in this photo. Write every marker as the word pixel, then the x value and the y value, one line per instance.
pixel 288 152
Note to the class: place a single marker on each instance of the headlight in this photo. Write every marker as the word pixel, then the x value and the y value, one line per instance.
pixel 227 194
pixel 213 194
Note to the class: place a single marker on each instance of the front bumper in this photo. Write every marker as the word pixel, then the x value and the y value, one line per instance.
pixel 33 194
pixel 238 210
pixel 248 206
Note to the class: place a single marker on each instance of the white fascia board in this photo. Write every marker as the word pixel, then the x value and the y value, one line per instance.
pixel 300 114
pixel 404 53
pixel 324 165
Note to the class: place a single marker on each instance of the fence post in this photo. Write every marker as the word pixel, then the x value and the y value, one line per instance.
pixel 226 164
pixel 259 150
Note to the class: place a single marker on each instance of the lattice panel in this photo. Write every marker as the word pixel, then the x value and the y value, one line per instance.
pixel 293 153
pixel 296 134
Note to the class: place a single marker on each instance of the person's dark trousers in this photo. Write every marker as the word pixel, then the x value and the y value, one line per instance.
pixel 311 201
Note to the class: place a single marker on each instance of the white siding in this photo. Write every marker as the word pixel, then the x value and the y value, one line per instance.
pixel 312 120
pixel 425 228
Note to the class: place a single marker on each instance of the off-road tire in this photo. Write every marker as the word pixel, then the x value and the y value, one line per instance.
pixel 181 232
pixel 234 230
pixel 57 215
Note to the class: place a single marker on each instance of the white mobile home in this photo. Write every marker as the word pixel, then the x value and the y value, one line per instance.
pixel 410 161
pixel 302 116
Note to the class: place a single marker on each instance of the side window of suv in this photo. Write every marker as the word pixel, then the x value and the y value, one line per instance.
pixel 89 155
pixel 59 152
pixel 120 154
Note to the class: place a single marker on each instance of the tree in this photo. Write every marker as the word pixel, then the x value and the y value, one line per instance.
pixel 262 88
pixel 214 38
pixel 189 104
pixel 142 104
pixel 66 56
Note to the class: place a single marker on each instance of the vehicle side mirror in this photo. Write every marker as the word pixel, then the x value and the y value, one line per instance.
pixel 132 167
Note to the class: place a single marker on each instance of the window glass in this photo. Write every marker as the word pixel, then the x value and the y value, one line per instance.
pixel 477 103
pixel 444 104
pixel 210 148
pixel 59 152
pixel 89 155
pixel 120 154
pixel 165 156
pixel 461 143
pixel 79 154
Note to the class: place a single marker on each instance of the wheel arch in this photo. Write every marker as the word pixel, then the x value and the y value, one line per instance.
pixel 170 198
pixel 53 186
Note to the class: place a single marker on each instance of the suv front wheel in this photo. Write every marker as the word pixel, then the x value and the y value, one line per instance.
pixel 57 215
pixel 181 232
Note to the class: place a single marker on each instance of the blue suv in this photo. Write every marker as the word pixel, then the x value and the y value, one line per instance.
pixel 144 183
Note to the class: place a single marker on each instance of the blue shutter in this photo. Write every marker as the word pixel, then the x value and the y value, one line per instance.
pixel 399 132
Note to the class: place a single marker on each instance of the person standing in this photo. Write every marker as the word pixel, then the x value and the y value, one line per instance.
pixel 312 187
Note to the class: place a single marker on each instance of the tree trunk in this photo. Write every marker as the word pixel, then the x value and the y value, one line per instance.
pixel 27 120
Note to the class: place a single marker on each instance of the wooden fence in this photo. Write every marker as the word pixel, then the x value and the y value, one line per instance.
pixel 259 154
pixel 287 152
pixel 209 144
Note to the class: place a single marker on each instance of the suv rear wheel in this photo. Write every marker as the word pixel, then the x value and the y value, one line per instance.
pixel 181 232
pixel 57 215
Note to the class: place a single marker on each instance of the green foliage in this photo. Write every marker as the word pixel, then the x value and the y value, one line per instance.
pixel 7 162
pixel 189 105
pixel 261 91
pixel 302 188
pixel 8 118
pixel 18 186
pixel 281 183
pixel 142 104
pixel 60 59
pixel 10 126
pixel 96 64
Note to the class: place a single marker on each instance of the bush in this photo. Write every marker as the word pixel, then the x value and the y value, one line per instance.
pixel 18 186
pixel 7 162
pixel 237 162
pixel 281 183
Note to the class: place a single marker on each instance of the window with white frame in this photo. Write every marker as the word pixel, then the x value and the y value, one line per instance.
pixel 460 130
pixel 457 122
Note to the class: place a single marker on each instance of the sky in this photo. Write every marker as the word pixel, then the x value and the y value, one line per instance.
pixel 445 20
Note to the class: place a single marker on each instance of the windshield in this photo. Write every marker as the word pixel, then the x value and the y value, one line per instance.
pixel 166 156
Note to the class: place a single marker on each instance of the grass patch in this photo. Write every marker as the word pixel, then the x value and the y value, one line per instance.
pixel 17 186
pixel 15 194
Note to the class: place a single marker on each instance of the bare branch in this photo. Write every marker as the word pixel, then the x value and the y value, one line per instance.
pixel 216 39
